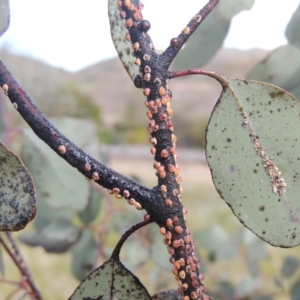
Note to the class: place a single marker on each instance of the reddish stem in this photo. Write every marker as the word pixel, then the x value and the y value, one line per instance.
pixel 181 73
pixel 102 230
pixel 20 264
pixel 7 281
pixel 126 235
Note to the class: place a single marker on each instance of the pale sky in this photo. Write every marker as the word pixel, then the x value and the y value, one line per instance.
pixel 73 34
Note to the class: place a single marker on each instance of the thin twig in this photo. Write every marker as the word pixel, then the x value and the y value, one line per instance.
pixel 102 230
pixel 18 261
pixel 174 74
pixel 126 235
pixel 22 264
pixel 7 281
pixel 177 43
pixel 13 292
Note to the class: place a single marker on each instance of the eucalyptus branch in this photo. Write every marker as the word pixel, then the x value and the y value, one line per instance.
pixel 153 78
pixel 177 43
pixel 118 184
pixel 18 260
pixel 22 264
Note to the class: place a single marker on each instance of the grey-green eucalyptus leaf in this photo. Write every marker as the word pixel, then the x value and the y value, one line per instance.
pixel 54 178
pixel 255 247
pixel 82 132
pixel 83 254
pixel 282 68
pixel 118 33
pixel 4 16
pixel 218 243
pixel 292 32
pixel 111 281
pixel 252 149
pixel 167 295
pixel 295 290
pixel 290 266
pixel 157 249
pixel 124 221
pixel 225 11
pixel 225 290
pixel 247 287
pixel 47 214
pixel 210 35
pixel 18 200
pixel 92 210
pixel 130 256
pixel 255 252
pixel 57 237
pixel 212 238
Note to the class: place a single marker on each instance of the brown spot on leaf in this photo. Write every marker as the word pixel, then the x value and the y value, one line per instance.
pixel 277 93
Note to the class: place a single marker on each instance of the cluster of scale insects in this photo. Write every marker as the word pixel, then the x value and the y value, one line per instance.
pixel 277 182
pixel 176 238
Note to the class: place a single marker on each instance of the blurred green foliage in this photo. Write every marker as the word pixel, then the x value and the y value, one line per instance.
pixel 282 66
pixel 209 37
pixel 83 106
pixel 131 129
pixel 191 133
pixel 4 16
